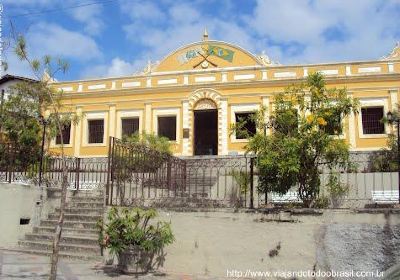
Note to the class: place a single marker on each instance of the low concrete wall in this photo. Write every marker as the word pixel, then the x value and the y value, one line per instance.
pixel 18 201
pixel 22 201
pixel 216 243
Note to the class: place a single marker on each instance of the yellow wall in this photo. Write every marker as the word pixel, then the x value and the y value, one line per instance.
pixel 244 80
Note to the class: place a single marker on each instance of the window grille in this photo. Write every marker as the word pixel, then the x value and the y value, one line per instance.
pixel 130 126
pixel 66 135
pixel 167 127
pixel 96 131
pixel 249 125
pixel 372 120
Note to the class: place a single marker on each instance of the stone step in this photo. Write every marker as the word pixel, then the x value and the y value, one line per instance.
pixel 66 231
pixel 69 224
pixel 82 210
pixel 91 240
pixel 64 255
pixel 77 217
pixel 85 204
pixel 98 199
pixel 64 247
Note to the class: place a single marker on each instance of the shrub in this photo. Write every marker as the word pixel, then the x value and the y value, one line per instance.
pixel 133 229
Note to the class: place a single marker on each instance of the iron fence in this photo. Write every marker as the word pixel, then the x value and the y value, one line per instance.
pixel 139 175
pixel 136 172
pixel 82 173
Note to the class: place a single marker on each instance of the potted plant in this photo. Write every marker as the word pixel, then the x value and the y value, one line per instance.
pixel 137 240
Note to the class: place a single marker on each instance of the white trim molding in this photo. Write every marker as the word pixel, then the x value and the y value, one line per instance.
pixel 203 79
pixel 71 139
pixel 186 125
pixel 165 112
pixel 126 114
pixel 167 81
pixel 285 75
pixel 329 72
pixel 242 108
pixel 369 69
pixel 94 116
pixel 372 102
pixel 131 84
pixel 239 77
pixel 99 86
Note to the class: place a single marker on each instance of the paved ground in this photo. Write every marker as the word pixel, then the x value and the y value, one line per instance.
pixel 20 266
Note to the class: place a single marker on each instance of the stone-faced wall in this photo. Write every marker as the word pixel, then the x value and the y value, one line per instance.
pixel 216 243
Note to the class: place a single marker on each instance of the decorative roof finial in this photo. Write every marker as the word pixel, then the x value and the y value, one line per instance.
pixel 395 54
pixel 205 35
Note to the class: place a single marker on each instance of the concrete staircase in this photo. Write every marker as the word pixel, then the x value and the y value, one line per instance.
pixel 79 237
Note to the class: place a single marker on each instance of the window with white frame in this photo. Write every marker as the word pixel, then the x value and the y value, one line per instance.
pixel 66 134
pixel 242 115
pixel 95 131
pixel 129 126
pixel 167 127
pixel 246 124
pixel 371 118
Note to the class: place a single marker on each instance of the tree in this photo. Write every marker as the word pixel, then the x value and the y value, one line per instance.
pixel 307 121
pixel 48 99
pixel 154 142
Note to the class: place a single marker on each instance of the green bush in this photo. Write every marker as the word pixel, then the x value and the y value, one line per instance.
pixel 337 190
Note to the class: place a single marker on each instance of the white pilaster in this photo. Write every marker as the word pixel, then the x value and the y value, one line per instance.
pixel 394 99
pixel 264 75
pixel 148 82
pixel 78 132
pixel 185 122
pixel 185 79
pixel 223 128
pixel 265 104
pixel 112 120
pixel 80 87
pixel 348 70
pixel 147 112
pixel 305 70
pixel 390 67
pixel 224 77
pixel 352 128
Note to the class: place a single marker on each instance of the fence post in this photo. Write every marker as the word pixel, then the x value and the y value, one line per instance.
pixel 251 183
pixel 77 171
pixel 169 179
pixel 9 147
pixel 109 166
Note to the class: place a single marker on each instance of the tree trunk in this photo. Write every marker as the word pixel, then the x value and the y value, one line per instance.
pixel 64 187
pixel 57 235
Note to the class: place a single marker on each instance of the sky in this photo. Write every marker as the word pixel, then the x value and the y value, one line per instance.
pixel 105 38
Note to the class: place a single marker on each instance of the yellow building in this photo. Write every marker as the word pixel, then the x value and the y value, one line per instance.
pixel 196 92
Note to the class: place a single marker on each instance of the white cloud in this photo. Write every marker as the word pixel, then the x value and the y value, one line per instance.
pixel 142 10
pixel 26 2
pixel 117 67
pixel 91 17
pixel 184 25
pixel 291 31
pixel 369 28
pixel 56 41
pixel 48 38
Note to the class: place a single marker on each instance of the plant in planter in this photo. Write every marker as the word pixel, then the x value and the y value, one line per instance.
pixel 337 190
pixel 135 239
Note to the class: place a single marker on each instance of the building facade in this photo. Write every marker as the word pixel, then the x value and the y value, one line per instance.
pixel 198 91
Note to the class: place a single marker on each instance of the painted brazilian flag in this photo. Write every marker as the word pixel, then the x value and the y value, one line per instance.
pixel 221 52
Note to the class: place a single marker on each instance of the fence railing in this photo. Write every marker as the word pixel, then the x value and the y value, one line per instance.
pixel 135 174
pixel 138 172
pixel 82 173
